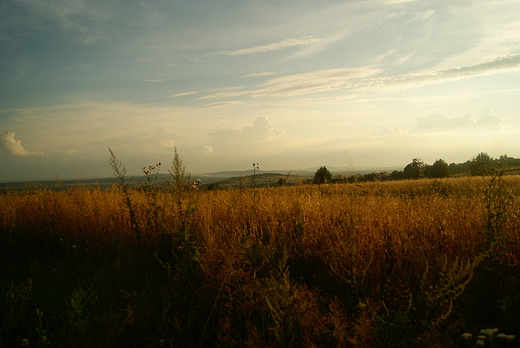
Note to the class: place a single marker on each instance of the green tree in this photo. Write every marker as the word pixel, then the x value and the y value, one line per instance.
pixel 414 170
pixel 481 165
pixel 322 176
pixel 440 169
pixel 396 175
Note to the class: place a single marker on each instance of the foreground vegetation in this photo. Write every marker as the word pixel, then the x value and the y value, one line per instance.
pixel 420 263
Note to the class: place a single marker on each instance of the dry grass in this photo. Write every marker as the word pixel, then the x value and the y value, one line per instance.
pixel 362 265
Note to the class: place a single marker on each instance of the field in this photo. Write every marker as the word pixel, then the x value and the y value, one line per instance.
pixel 420 263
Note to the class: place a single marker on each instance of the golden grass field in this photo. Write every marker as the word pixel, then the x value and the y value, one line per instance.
pixel 384 264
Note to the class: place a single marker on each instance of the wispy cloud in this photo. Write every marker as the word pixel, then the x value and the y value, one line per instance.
pixel 82 17
pixel 357 80
pixel 182 94
pixel 303 83
pixel 258 74
pixel 160 79
pixel 501 64
pixel 218 105
pixel 275 46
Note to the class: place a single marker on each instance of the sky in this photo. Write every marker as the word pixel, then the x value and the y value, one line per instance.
pixel 286 84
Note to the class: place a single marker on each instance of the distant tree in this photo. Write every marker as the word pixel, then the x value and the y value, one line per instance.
pixel 504 160
pixel 322 176
pixel 213 186
pixel 481 165
pixel 340 179
pixel 428 170
pixel 440 169
pixel 396 175
pixel 414 170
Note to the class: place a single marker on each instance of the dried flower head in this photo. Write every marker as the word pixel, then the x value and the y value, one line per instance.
pixel 489 332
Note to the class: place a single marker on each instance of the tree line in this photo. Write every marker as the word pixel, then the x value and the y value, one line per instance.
pixel 480 165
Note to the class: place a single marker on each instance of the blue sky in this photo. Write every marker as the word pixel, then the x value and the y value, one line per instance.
pixel 288 84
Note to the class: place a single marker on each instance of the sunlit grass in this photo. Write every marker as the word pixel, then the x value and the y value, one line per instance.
pixel 376 264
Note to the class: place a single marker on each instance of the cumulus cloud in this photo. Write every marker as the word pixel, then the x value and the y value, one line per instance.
pixel 10 146
pixel 261 131
pixel 167 143
pixel 386 132
pixel 439 123
pixel 206 149
pixel 196 150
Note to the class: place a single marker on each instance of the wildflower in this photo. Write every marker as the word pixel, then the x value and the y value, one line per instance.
pixel 489 332
pixel 195 184
pixel 467 336
pixel 480 343
pixel 25 342
pixel 504 337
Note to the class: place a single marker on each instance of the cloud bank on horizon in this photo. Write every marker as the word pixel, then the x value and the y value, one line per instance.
pixel 290 85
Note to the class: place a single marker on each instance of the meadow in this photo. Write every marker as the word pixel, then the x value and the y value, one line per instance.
pixel 410 263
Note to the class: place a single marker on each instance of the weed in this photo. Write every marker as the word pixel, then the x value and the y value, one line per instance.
pixel 119 172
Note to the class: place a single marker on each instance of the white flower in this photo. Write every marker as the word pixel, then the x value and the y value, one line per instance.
pixel 467 336
pixel 504 337
pixel 489 332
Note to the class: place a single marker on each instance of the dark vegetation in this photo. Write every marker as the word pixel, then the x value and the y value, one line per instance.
pixel 409 263
pixel 480 165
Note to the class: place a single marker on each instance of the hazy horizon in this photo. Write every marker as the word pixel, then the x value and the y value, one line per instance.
pixel 290 85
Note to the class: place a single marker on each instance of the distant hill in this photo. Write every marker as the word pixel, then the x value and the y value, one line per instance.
pixel 232 178
pixel 236 178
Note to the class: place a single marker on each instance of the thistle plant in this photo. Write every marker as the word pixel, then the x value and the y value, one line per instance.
pixel 256 166
pixel 150 173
